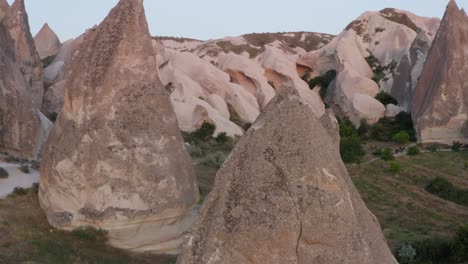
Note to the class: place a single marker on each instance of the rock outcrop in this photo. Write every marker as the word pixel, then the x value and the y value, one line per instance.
pixel 23 129
pixel 3 7
pixel 284 196
pixel 440 104
pixel 116 159
pixel 379 51
pixel 228 81
pixel 17 23
pixel 47 42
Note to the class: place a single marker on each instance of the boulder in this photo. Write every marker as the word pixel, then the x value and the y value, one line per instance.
pixel 284 196
pixel 53 100
pixel 440 103
pixel 392 110
pixel 47 42
pixel 116 159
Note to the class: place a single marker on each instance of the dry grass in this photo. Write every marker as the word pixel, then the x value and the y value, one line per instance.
pixel 25 236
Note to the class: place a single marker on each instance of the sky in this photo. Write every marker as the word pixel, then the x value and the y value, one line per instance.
pixel 210 19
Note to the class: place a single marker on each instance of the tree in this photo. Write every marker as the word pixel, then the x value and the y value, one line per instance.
pixel 413 151
pixel 456 146
pixel 387 154
pixel 385 98
pixel 351 149
pixel 221 138
pixel 401 137
pixel 406 253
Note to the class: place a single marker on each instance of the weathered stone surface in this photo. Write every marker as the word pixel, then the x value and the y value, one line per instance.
pixel 116 159
pixel 3 7
pixel 284 196
pixel 47 42
pixel 53 99
pixel 17 24
pixel 440 104
pixel 392 110
pixel 22 128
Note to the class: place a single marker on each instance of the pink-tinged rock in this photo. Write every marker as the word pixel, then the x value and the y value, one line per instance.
pixel 116 159
pixel 440 103
pixel 285 196
pixel 366 107
pixel 47 42
pixel 392 110
pixel 26 57
pixel 3 7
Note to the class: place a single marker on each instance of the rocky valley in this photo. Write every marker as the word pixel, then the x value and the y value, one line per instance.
pixel 117 146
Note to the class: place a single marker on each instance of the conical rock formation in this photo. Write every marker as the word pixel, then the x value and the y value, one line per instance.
pixel 47 42
pixel 284 196
pixel 440 104
pixel 23 129
pixel 116 159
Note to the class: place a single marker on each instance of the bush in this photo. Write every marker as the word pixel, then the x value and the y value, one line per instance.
pixel 436 250
pixel 395 167
pixel 456 146
pixel 351 149
pixel 18 191
pixel 460 246
pixel 215 159
pixel 413 151
pixel 89 233
pixel 25 169
pixel 406 253
pixel 377 152
pixel 204 132
pixel 446 190
pixel 387 154
pixel 401 137
pixel 433 148
pixel 222 138
pixel 385 98
pixel 3 173
pixel 323 81
pixel 386 128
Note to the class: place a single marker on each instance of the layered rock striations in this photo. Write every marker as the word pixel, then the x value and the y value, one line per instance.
pixel 116 159
pixel 440 103
pixel 284 196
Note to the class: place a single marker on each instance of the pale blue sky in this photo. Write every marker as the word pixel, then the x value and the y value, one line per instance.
pixel 205 19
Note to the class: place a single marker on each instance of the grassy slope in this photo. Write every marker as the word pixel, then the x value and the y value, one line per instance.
pixel 25 235
pixel 404 208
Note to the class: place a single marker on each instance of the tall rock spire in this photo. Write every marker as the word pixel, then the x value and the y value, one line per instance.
pixel 440 104
pixel 47 42
pixel 284 196
pixel 116 159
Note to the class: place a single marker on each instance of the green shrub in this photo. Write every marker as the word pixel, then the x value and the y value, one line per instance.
pixel 413 151
pixel 89 233
pixel 3 173
pixel 386 128
pixel 25 169
pixel 18 191
pixel 323 81
pixel 385 98
pixel 204 132
pixel 456 146
pixel 377 152
pixel 387 154
pixel 435 250
pixel 222 138
pixel 446 190
pixel 406 253
pixel 395 167
pixel 433 148
pixel 401 137
pixel 351 144
pixel 459 246
pixel 215 159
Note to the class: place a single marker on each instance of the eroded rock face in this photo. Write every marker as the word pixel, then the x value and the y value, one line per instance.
pixel 23 128
pixel 17 24
pixel 116 159
pixel 47 42
pixel 391 38
pixel 284 196
pixel 3 7
pixel 440 104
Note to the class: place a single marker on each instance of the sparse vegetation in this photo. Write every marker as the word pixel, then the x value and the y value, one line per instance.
pixel 3 173
pixel 380 72
pixel 25 169
pixel 401 137
pixel 395 167
pixel 387 127
pixel 18 191
pixel 406 254
pixel 351 144
pixel 323 81
pixel 413 151
pixel 433 148
pixel 446 190
pixel 385 98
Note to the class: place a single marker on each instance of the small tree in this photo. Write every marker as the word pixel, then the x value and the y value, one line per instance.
pixel 406 253
pixel 3 173
pixel 413 151
pixel 456 146
pixel 433 148
pixel 385 98
pixel 401 137
pixel 387 154
pixel 221 138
